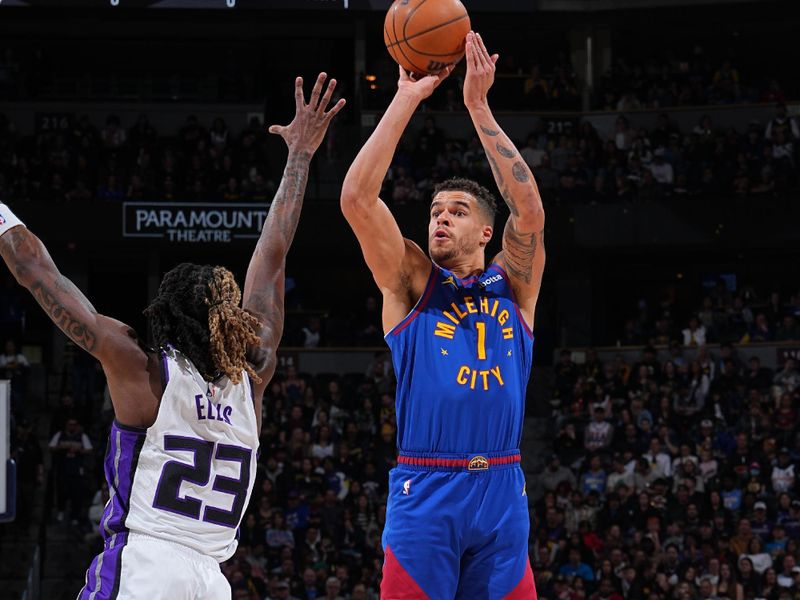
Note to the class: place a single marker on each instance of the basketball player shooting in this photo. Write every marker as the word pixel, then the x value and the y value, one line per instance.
pixel 460 334
pixel 181 457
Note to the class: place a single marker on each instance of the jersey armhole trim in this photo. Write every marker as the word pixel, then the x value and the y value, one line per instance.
pixel 505 276
pixel 420 305
pixel 129 428
pixel 164 368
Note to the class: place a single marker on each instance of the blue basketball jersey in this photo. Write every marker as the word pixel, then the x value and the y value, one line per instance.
pixel 462 358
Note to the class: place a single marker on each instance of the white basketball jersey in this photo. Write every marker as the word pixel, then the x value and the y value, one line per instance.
pixel 189 477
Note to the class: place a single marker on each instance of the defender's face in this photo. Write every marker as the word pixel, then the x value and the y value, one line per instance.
pixel 457 226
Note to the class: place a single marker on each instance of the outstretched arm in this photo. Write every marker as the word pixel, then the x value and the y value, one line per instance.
pixel 113 343
pixel 523 237
pixel 391 259
pixel 264 283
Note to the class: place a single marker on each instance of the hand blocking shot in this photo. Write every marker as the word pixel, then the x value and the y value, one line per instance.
pixel 181 459
pixel 461 338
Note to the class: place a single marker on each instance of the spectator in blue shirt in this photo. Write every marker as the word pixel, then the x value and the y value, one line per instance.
pixel 594 480
pixel 574 567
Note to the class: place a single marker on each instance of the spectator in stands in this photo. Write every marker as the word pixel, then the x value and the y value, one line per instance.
pixel 555 473
pixel 531 153
pixel 788 329
pixel 695 334
pixel 758 377
pixel 575 567
pixel 594 478
pixel 113 135
pixel 599 432
pixel 760 331
pixel 69 448
pixel 782 123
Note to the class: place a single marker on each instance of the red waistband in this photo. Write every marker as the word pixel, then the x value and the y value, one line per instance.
pixel 475 463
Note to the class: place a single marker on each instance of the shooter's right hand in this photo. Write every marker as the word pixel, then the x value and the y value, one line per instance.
pixel 422 88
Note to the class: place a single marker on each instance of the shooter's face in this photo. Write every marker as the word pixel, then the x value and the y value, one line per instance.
pixel 457 227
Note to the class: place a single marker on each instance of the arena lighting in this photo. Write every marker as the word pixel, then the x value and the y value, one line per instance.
pixel 371 78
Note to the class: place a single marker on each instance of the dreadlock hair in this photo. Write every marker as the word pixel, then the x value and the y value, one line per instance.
pixel 197 311
pixel 483 197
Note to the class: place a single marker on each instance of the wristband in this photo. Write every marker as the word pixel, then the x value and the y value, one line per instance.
pixel 8 219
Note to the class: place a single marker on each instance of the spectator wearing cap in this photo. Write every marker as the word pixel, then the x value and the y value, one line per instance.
pixel 760 524
pixel 555 473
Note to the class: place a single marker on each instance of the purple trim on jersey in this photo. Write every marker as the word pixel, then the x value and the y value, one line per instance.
pixel 120 466
pixel 164 370
pixel 522 320
pixel 420 305
pixel 122 458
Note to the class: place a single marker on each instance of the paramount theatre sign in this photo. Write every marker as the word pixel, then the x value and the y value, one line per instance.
pixel 193 222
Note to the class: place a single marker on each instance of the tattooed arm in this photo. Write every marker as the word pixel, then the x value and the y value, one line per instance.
pixel 523 239
pixel 113 343
pixel 264 283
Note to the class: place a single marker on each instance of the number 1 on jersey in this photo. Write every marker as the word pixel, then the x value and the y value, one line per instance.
pixel 481 326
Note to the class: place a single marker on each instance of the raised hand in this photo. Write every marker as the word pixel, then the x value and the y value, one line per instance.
pixel 419 89
pixel 480 72
pixel 306 132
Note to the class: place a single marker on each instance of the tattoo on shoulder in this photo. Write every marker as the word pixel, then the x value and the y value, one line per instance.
pixel 506 152
pixel 519 250
pixel 490 132
pixel 520 172
pixel 66 321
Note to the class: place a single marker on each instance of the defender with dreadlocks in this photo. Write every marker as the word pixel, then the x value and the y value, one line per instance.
pixel 181 458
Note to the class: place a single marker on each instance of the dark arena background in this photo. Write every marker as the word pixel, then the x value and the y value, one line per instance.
pixel 661 441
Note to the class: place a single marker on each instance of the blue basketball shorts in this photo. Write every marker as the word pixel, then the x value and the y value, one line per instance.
pixel 457 527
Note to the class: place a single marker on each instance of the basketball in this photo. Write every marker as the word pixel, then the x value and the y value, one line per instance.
pixel 425 36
